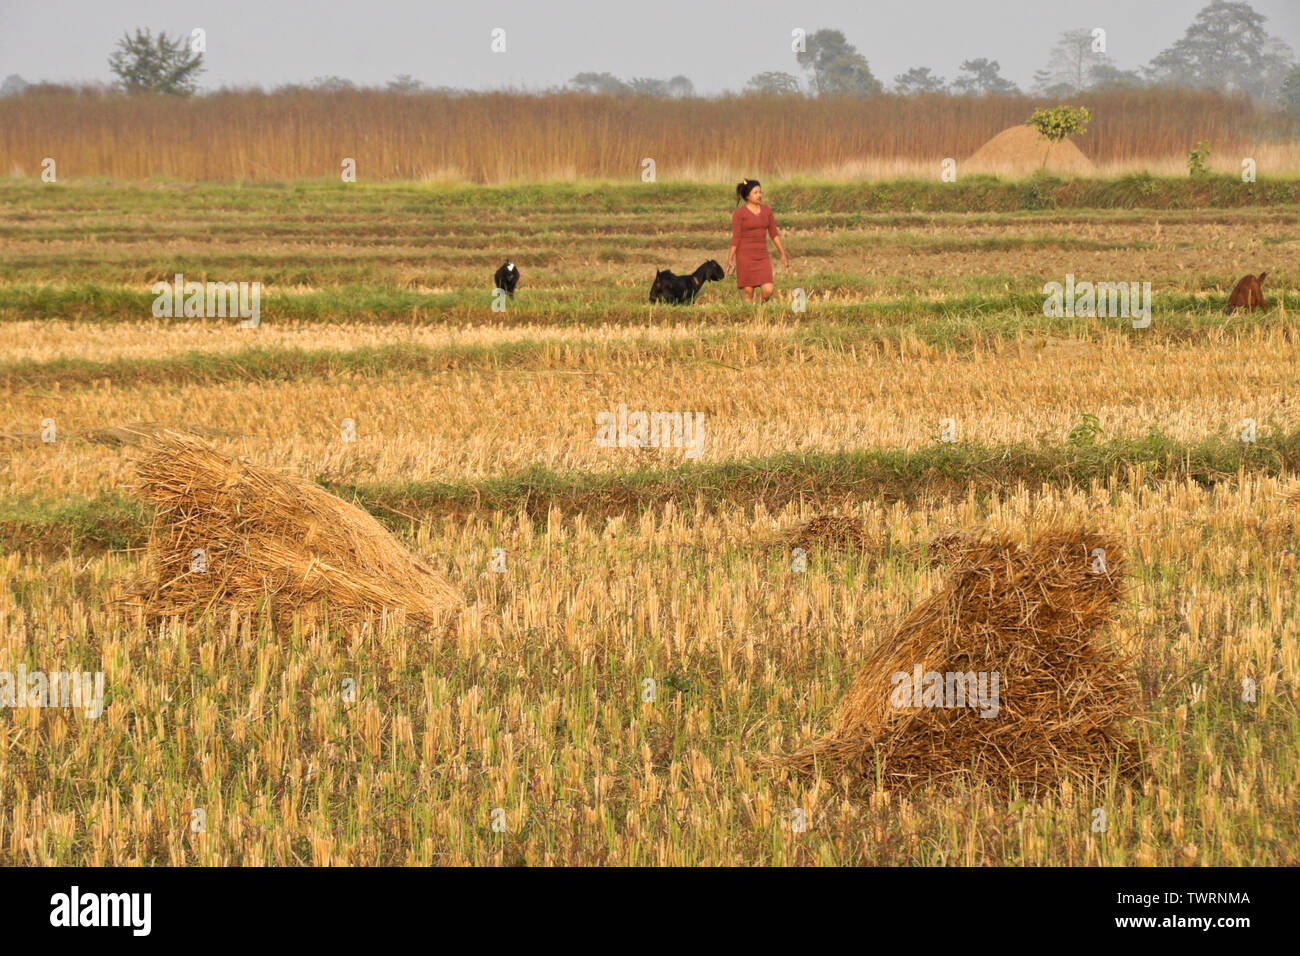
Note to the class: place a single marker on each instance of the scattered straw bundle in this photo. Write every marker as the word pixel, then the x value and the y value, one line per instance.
pixel 266 537
pixel 1027 614
pixel 947 547
pixel 831 531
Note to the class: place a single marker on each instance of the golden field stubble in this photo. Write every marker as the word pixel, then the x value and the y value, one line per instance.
pixel 468 424
pixel 1176 254
pixel 535 704
pixel 44 340
pixel 897 271
pixel 1193 230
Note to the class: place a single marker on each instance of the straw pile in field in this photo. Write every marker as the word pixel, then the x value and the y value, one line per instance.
pixel 831 531
pixel 1021 150
pixel 1028 614
pixel 270 539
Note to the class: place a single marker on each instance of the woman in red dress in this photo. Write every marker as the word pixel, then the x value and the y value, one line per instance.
pixel 751 224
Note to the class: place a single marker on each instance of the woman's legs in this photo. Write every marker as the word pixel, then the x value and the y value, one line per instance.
pixel 768 289
pixel 748 292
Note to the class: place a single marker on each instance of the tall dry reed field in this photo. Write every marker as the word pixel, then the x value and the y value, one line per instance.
pixel 505 136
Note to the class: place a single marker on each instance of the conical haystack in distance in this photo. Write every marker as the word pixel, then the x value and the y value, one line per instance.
pixel 1020 151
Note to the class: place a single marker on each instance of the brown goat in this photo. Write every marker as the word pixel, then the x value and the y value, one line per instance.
pixel 1248 295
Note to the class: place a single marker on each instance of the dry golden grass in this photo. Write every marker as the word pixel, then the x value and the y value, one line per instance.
pixel 46 340
pixel 936 256
pixel 1271 159
pixel 534 703
pixel 467 424
pixel 503 137
pixel 535 707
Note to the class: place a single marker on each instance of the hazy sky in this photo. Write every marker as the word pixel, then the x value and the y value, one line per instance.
pixel 717 45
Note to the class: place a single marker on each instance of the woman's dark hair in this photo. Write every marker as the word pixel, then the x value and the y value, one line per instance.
pixel 743 188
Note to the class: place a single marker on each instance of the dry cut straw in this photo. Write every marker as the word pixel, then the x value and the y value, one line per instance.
pixel 1032 614
pixel 229 533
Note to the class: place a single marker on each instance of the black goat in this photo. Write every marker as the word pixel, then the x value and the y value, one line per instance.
pixel 681 290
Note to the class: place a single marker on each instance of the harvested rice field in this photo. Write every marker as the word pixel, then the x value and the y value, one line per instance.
pixel 387 577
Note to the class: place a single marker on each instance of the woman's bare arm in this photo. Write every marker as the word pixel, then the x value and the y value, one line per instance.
pixel 735 240
pixel 784 261
pixel 776 237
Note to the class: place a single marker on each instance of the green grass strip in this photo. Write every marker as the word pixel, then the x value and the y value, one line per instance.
pixel 942 470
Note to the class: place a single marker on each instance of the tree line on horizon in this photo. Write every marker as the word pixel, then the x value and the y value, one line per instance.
pixel 1225 48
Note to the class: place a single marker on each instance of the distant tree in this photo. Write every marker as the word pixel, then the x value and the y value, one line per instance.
pixel 1057 123
pixel 1061 121
pixel 776 83
pixel 853 77
pixel 919 79
pixel 983 76
pixel 147 64
pixel 13 85
pixel 1291 90
pixel 1071 65
pixel 598 83
pixel 1279 59
pixel 647 86
pixel 1056 90
pixel 332 84
pixel 680 87
pixel 1108 77
pixel 1225 48
pixel 836 66
pixel 46 88
pixel 405 83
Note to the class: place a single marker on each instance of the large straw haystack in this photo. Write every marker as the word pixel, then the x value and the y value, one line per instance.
pixel 1022 151
pixel 1027 614
pixel 230 533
